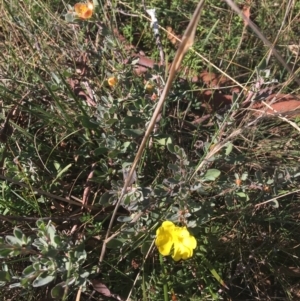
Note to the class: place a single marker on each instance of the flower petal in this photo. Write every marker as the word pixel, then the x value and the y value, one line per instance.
pixel 83 10
pixel 168 226
pixel 87 14
pixel 184 243
pixel 164 238
pixel 181 252
pixel 190 242
pixel 80 8
pixel 164 247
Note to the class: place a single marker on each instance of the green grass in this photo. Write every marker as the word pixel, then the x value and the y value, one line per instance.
pixel 74 135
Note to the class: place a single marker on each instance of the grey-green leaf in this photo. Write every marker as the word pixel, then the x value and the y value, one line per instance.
pixel 58 291
pixel 115 243
pixel 41 281
pixel 211 174
pixel 132 133
pixel 12 240
pixel 5 276
pixel 229 148
pixel 18 233
pixel 28 271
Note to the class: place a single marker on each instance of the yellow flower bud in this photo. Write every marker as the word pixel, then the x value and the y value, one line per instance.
pixel 112 81
pixel 149 87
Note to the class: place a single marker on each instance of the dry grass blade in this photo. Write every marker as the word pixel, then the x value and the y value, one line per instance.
pixel 263 38
pixel 276 198
pixel 187 42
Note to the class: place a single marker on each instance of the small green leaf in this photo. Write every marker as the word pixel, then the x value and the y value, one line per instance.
pixel 15 253
pixel 80 253
pixel 14 241
pixel 40 243
pixel 25 282
pixel 105 198
pixel 5 276
pixel 14 285
pixel 174 168
pixel 124 219
pixel 164 141
pixel 28 271
pixel 229 148
pixel 57 165
pixel 36 266
pixel 18 233
pixel 111 121
pixel 69 17
pixel 211 174
pixel 50 232
pixel 132 132
pixel 100 151
pixel 115 243
pixel 133 120
pixel 242 194
pixel 51 252
pixel 55 78
pixel 58 241
pixel 113 154
pixel 88 123
pixel 61 172
pixel 45 261
pixel 85 274
pixel 145 247
pixel 43 279
pixel 171 148
pixel 58 291
pixel 4 253
pixel 244 176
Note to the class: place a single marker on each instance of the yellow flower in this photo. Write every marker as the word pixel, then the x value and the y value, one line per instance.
pixel 169 235
pixel 149 87
pixel 84 10
pixel 112 81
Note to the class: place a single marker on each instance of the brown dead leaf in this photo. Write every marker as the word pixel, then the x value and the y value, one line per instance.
pixel 101 288
pixel 171 36
pixel 295 49
pixel 213 80
pixel 213 101
pixel 246 12
pixel 284 104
